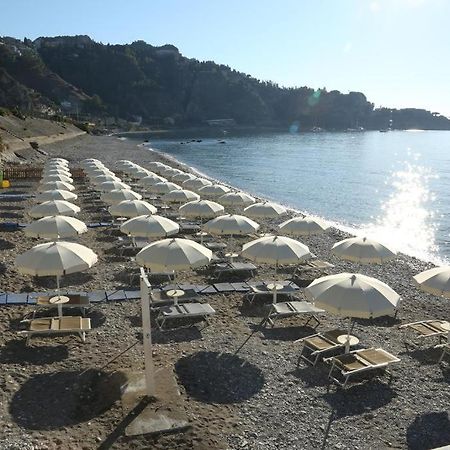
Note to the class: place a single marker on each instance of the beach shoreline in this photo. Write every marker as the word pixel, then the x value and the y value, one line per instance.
pixel 258 399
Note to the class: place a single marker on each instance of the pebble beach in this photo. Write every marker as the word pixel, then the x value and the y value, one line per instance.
pixel 254 399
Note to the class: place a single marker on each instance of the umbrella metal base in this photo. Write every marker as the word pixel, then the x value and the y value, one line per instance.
pixel 162 414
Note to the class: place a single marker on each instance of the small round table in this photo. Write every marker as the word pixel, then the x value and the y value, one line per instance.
pixel 231 256
pixel 59 300
pixel 175 293
pixel 352 340
pixel 274 287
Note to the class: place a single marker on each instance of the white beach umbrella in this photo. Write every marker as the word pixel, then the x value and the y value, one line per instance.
pixel 98 171
pixel 303 226
pixel 163 187
pixel 52 185
pixel 54 208
pixel 201 209
pixel 151 179
pixel 236 199
pixel 56 177
pixel 276 250
pixel 59 160
pixel 169 171
pixel 213 190
pixel 150 226
pixel 173 254
pixel 137 172
pixel 196 183
pixel 435 281
pixel 132 208
pixel 99 179
pixel 353 295
pixel 56 194
pixel 180 196
pixel 363 250
pixel 181 177
pixel 56 171
pixel 154 165
pixel 90 160
pixel 55 227
pixel 264 210
pixel 56 165
pixel 55 259
pixel 119 195
pixel 112 185
pixel 231 224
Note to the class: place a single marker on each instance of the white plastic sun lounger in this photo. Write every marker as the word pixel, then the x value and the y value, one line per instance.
pixel 58 325
pixel 194 311
pixel 369 361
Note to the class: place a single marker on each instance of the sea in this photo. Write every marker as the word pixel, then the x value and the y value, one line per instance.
pixel 392 186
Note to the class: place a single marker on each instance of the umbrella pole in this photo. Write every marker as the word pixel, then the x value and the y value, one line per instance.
pixel 349 330
pixel 58 290
pixel 275 284
pixel 201 231
pixel 147 337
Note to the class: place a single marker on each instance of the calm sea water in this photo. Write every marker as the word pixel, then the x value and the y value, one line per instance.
pixel 391 186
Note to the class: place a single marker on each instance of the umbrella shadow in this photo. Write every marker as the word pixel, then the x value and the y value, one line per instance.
pixel 425 356
pixel 385 321
pixel 73 279
pixel 311 376
pixel 360 399
pixel 224 378
pixel 291 333
pixel 6 245
pixel 53 400
pixel 2 268
pixel 430 430
pixel 97 318
pixel 16 352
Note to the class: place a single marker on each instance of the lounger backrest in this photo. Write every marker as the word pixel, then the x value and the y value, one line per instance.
pixel 376 357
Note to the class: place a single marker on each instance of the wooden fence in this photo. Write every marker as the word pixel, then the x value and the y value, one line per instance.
pixel 15 173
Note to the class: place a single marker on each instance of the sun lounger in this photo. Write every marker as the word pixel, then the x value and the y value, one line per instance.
pixel 428 328
pixel 262 289
pixel 195 311
pixel 58 325
pixel 370 361
pixel 317 345
pixel 75 301
pixel 233 269
pixel 296 308
pixel 160 298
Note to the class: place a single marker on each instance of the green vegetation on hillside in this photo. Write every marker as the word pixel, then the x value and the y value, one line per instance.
pixel 158 85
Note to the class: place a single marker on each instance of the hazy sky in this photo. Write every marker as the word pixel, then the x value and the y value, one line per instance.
pixel 397 52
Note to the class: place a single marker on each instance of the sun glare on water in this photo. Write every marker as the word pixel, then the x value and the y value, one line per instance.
pixel 407 217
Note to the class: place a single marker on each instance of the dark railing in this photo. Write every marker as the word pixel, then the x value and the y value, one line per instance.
pixel 15 173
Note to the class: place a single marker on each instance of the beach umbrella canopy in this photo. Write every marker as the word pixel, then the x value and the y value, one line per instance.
pixel 151 179
pixel 150 226
pixel 55 227
pixel 236 199
pixel 169 171
pixel 98 171
pixel 56 171
pixel 91 160
pixel 119 195
pixel 196 183
pixel 99 179
pixel 55 259
pixel 173 254
pixel 53 208
pixel 303 226
pixel 59 160
pixel 353 295
pixel 56 194
pixel 434 281
pixel 138 172
pixel 156 165
pixel 180 177
pixel 276 250
pixel 202 209
pixel 363 250
pixel 132 208
pixel 56 177
pixel 52 185
pixel 56 165
pixel 112 185
pixel 163 187
pixel 231 224
pixel 213 190
pixel 264 210
pixel 180 196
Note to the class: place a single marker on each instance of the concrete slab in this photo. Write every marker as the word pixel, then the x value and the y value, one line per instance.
pixel 163 414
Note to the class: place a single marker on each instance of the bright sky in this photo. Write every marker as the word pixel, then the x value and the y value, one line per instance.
pixel 394 51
